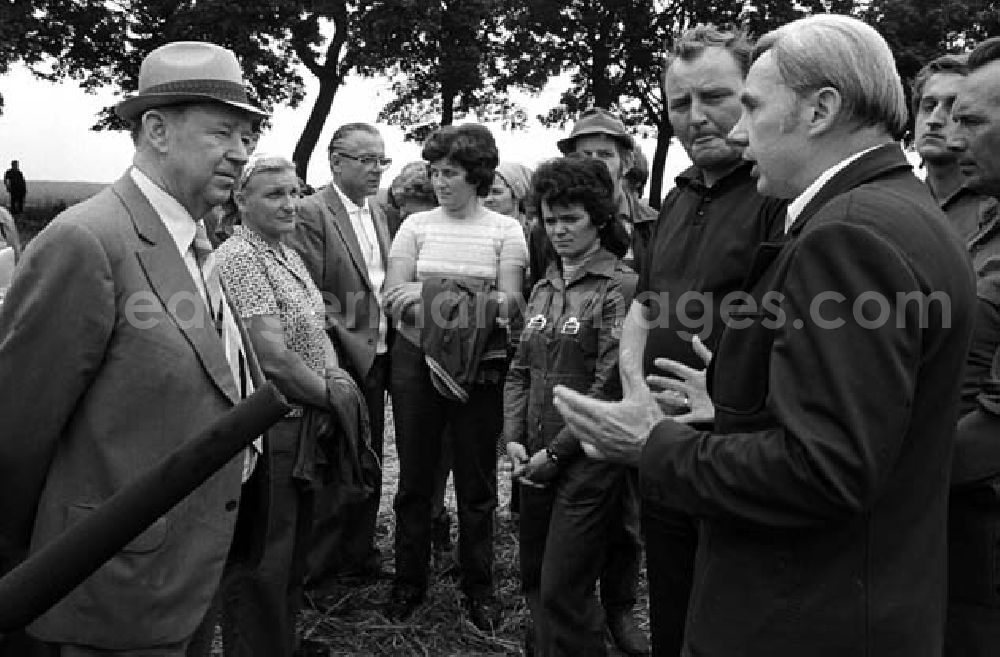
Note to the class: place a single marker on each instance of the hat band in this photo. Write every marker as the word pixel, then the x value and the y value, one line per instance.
pixel 224 90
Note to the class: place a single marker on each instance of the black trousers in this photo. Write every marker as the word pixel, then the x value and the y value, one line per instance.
pixel 343 536
pixel 17 202
pixel 566 540
pixel 421 415
pixel 620 579
pixel 671 543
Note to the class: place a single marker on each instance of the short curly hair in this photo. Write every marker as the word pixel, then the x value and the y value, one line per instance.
pixel 472 147
pixel 576 179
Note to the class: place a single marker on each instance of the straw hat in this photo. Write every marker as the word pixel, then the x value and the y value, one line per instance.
pixel 185 72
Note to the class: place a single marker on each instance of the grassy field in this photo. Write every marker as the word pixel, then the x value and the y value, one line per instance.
pixel 46 199
pixel 354 625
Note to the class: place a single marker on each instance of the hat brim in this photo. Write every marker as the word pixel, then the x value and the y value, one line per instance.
pixel 131 108
pixel 566 145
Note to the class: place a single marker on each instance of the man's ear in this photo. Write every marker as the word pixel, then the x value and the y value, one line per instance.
pixel 334 159
pixel 156 128
pixel 825 110
pixel 628 159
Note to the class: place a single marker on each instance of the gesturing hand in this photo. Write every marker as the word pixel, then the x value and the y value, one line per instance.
pixel 684 395
pixel 613 431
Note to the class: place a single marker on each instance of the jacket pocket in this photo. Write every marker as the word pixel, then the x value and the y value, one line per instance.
pixel 149 540
pixel 742 362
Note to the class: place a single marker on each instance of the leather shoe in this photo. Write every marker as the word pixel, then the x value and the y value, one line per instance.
pixel 626 634
pixel 403 601
pixel 483 613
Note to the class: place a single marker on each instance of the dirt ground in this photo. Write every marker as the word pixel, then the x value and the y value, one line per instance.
pixel 351 622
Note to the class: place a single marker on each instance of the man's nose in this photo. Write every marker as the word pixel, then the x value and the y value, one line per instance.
pixel 738 136
pixel 239 152
pixel 956 141
pixel 697 115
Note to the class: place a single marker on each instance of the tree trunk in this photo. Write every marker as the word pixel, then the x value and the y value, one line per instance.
pixel 599 75
pixel 328 86
pixel 447 106
pixel 663 135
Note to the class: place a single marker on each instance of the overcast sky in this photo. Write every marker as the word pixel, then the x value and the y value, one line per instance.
pixel 47 127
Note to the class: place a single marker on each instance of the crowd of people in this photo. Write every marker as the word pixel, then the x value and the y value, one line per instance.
pixel 782 388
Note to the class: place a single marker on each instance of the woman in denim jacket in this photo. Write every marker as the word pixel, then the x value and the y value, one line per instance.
pixel 572 328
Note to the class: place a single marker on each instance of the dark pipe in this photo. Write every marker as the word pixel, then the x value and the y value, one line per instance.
pixel 47 576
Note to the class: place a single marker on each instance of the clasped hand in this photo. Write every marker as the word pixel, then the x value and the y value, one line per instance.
pixel 400 297
pixel 535 471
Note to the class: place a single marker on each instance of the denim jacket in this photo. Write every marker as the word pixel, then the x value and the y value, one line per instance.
pixel 570 338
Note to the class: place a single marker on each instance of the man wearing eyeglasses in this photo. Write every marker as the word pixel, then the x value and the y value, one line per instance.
pixel 343 238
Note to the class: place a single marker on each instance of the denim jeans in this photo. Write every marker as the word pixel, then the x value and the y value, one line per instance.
pixel 421 415
pixel 566 535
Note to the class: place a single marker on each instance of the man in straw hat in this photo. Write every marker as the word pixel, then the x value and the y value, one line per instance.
pixel 117 344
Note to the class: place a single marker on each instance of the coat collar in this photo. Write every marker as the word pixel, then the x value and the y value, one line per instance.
pixel 602 264
pixel 170 280
pixel 874 164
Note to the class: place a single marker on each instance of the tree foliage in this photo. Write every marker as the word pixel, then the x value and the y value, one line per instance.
pixel 445 60
pixel 101 43
pixel 18 35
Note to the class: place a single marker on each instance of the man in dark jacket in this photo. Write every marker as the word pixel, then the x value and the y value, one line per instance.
pixel 974 520
pixel 823 486
pixel 710 225
pixel 13 179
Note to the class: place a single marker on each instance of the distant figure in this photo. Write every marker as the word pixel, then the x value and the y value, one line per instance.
pixel 13 180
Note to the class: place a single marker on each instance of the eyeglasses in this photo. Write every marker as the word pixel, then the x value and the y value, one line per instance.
pixel 369 161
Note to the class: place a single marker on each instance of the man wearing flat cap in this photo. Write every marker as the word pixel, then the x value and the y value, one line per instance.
pixel 117 344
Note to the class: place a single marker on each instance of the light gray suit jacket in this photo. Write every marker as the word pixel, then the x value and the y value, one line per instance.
pixel 103 373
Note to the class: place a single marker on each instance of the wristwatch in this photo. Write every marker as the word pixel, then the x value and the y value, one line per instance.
pixel 552 456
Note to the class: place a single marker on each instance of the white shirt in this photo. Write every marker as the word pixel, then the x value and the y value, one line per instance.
pixel 177 220
pixel 364 231
pixel 796 207
pixel 182 228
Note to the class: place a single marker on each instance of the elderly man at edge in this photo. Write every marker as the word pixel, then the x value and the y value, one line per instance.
pixel 823 486
pixel 973 628
pixel 133 365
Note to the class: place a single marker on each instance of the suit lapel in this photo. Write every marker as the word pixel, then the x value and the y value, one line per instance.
pixel 170 280
pixel 342 225
pixel 382 230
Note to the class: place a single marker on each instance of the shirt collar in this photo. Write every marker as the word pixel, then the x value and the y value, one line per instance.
pixel 796 207
pixel 349 205
pixel 693 176
pixel 943 203
pixel 601 263
pixel 256 241
pixel 177 220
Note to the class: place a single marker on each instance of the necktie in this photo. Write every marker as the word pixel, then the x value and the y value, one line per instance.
pixel 225 324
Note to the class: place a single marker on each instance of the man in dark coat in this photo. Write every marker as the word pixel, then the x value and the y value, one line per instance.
pixel 823 486
pixel 16 186
pixel 710 225
pixel 973 628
